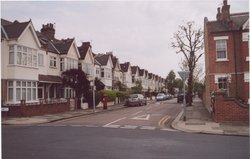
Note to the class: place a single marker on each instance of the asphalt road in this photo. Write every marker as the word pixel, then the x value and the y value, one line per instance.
pixel 72 142
pixel 155 115
pixel 130 133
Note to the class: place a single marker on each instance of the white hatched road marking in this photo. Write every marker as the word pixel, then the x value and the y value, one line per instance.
pixel 142 117
pixel 137 113
pixel 114 122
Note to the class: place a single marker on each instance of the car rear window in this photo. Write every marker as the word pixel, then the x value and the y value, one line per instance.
pixel 133 96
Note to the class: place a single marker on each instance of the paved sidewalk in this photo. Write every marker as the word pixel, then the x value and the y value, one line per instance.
pixel 55 117
pixel 198 120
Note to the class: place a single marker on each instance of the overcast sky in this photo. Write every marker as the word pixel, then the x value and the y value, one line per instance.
pixel 136 31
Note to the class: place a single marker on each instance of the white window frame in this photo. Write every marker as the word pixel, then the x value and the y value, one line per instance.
pixel 24 87
pixel 222 39
pixel 246 77
pixel 40 59
pixel 27 56
pixel 52 62
pixel 245 36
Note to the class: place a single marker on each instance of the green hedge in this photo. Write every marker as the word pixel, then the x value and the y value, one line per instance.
pixel 113 94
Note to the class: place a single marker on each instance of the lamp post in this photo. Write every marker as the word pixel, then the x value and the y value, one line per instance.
pixel 184 75
pixel 92 83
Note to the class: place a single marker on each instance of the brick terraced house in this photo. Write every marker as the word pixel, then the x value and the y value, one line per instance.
pixel 227 58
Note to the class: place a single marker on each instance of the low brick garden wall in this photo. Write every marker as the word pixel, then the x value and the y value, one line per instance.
pixel 229 109
pixel 24 110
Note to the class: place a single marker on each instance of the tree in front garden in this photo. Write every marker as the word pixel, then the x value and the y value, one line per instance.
pixel 170 82
pixel 188 40
pixel 137 88
pixel 77 80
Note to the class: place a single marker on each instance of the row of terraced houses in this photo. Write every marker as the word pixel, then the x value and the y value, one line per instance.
pixel 32 62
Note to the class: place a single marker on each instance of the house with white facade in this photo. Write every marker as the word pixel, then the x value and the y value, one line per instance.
pixel 106 66
pixel 87 60
pixel 135 74
pixel 61 55
pixel 21 55
pixel 127 74
pixel 116 72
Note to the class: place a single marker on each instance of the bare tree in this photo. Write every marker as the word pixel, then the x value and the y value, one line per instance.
pixel 189 41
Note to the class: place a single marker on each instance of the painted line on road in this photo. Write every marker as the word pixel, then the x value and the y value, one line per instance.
pixel 114 122
pixel 137 113
pixel 129 127
pixel 111 126
pixel 148 128
pixel 161 123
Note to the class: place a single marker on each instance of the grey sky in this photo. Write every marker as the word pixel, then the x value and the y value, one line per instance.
pixel 136 31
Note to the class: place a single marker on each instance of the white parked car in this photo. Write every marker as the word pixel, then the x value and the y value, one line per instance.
pixel 136 99
pixel 161 97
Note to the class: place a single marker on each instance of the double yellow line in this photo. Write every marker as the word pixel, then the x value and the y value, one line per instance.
pixel 163 120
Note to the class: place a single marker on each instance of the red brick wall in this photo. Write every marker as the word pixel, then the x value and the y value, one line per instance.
pixel 235 45
pixel 228 109
pixel 33 110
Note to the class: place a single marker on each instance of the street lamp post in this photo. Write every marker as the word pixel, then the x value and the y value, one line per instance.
pixel 93 89
pixel 184 75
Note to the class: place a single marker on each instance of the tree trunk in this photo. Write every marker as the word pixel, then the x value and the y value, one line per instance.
pixel 190 89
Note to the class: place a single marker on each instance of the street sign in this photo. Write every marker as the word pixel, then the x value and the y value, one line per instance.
pixel 183 74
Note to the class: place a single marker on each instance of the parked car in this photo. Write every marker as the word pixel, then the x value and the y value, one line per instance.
pixel 136 99
pixel 169 96
pixel 161 97
pixel 180 97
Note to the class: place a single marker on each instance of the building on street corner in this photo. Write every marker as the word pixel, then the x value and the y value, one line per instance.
pixel 226 42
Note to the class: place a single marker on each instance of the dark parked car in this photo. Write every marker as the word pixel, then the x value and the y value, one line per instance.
pixel 135 99
pixel 180 97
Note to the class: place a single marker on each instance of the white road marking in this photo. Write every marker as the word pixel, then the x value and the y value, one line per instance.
pixel 137 113
pixel 168 129
pixel 148 128
pixel 129 127
pixel 142 117
pixel 75 125
pixel 111 126
pixel 114 122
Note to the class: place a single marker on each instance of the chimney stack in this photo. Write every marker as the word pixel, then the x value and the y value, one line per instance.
pixel 225 11
pixel 49 31
pixel 218 15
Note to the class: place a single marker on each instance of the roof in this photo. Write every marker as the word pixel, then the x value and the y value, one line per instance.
pixel 150 75
pixel 84 49
pixel 134 69
pixel 49 79
pixel 141 72
pixel 237 20
pixel 13 30
pixel 125 66
pixel 102 59
pixel 114 60
pixel 63 45
pixel 55 45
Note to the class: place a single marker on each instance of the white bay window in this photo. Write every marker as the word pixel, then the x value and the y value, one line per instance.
pixel 23 56
pixel 22 90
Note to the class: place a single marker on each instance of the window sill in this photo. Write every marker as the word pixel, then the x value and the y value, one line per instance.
pixel 15 65
pixel 52 67
pixel 222 60
pixel 247 58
